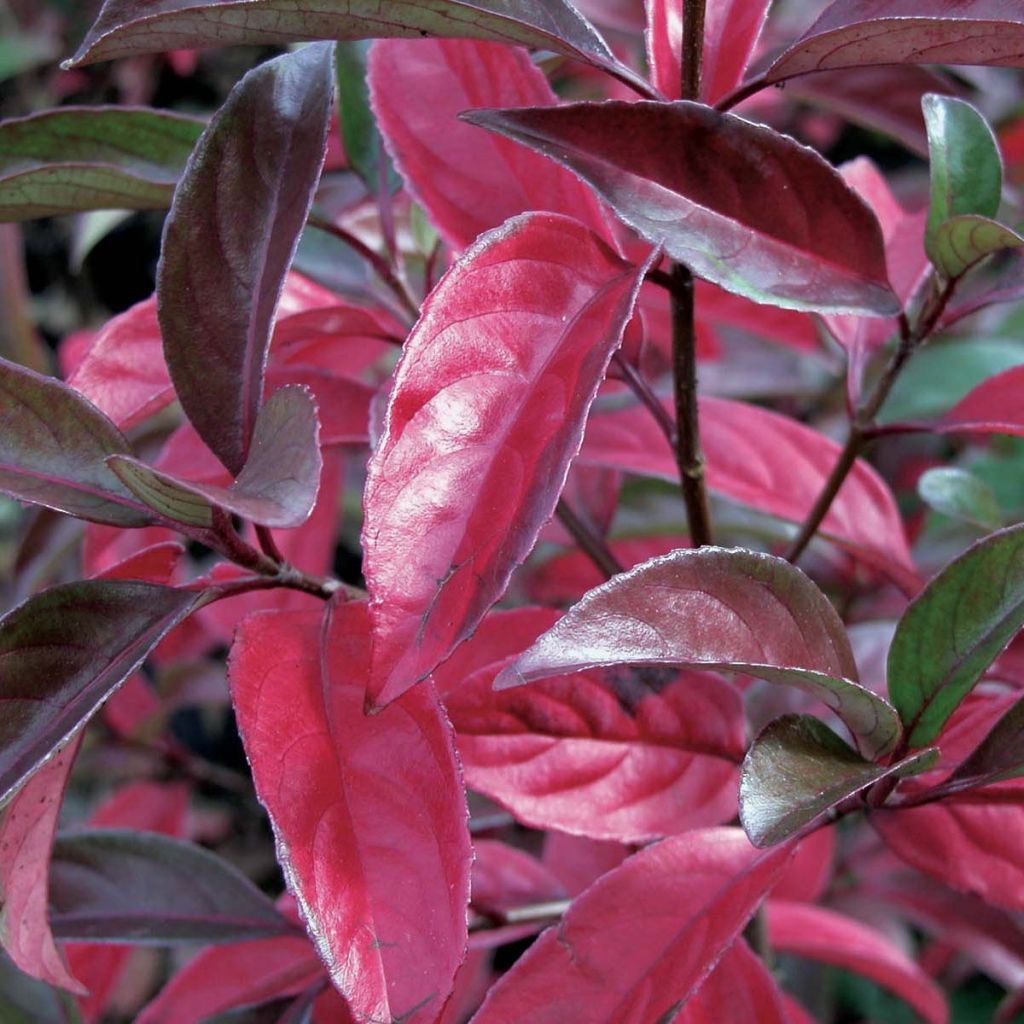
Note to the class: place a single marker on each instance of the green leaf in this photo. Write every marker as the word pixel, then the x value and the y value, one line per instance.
pixel 64 652
pixel 966 168
pixel 959 494
pixel 53 448
pixel 92 158
pixel 963 241
pixel 953 630
pixel 110 885
pixel 363 145
pixel 23 1000
pixel 1000 755
pixel 798 769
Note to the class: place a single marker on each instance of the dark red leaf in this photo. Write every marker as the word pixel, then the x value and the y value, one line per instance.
pixel 831 938
pixel 624 754
pixel 153 564
pixel 741 205
pixel 769 461
pixel 641 941
pixel 116 885
pixel 486 413
pixel 734 610
pixel 467 181
pixel 252 176
pixel 52 450
pixel 382 794
pixel 854 33
pixel 1000 754
pixel 64 652
pixel 740 990
pixel 276 487
pixel 27 827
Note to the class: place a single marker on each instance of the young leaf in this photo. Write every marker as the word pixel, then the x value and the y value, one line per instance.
pixel 640 942
pixel 486 413
pixel 117 885
pixel 961 242
pixel 278 483
pixel 832 938
pixel 64 652
pixel 252 176
pixel 966 169
pixel 1000 755
pixel 53 449
pixel 126 27
pixel 466 180
pixel 953 630
pixel 797 770
pixel 959 494
pixel 27 826
pixel 381 793
pixel 855 33
pixel 741 205
pixel 92 158
pixel 737 611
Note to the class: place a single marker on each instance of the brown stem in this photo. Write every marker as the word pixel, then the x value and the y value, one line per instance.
pixel 268 545
pixel 692 64
pixel 589 542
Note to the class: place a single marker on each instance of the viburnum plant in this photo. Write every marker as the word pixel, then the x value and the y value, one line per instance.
pixel 579 741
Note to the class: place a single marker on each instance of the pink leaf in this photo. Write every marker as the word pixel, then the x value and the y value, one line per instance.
pixel 466 180
pixel 154 564
pixel 993 407
pixel 27 827
pixel 808 874
pixel 486 412
pixel 579 862
pixel 644 938
pixel 831 938
pixel 740 990
pixel 505 877
pixel 357 802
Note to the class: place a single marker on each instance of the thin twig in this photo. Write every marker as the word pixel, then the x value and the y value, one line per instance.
pixel 589 542
pixel 268 545
pixel 643 391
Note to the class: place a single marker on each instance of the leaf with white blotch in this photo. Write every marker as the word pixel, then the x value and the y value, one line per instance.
pixel 858 33
pixel 644 938
pixel 486 413
pixel 966 175
pixel 127 27
pixel 960 494
pixel 53 448
pixel 961 242
pixel 92 158
pixel 742 206
pixel 230 237
pixel 730 610
pixel 65 651
pixel 953 630
pixel 120 885
pixel 277 486
pixel 797 770
pixel 1000 755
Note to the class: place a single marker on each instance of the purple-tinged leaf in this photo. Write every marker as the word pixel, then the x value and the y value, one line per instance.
pixel 486 413
pixel 126 27
pixel 857 33
pixel 230 238
pixel 53 448
pixel 742 206
pixel 711 608
pixel 642 940
pixel 1000 755
pixel 953 630
pixel 797 770
pixel 92 158
pixel 278 483
pixel 63 652
pixel 119 885
pixel 961 242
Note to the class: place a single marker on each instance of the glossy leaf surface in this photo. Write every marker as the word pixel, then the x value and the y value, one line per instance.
pixel 640 942
pixel 719 609
pixel 468 181
pixel 742 206
pixel 828 937
pixel 115 885
pixel 252 176
pixel 629 754
pixel 64 652
pixel 797 770
pixel 381 793
pixel 486 412
pixel 853 33
pixel 954 630
pixel 53 448
pixel 961 242
pixel 278 483
pixel 92 158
